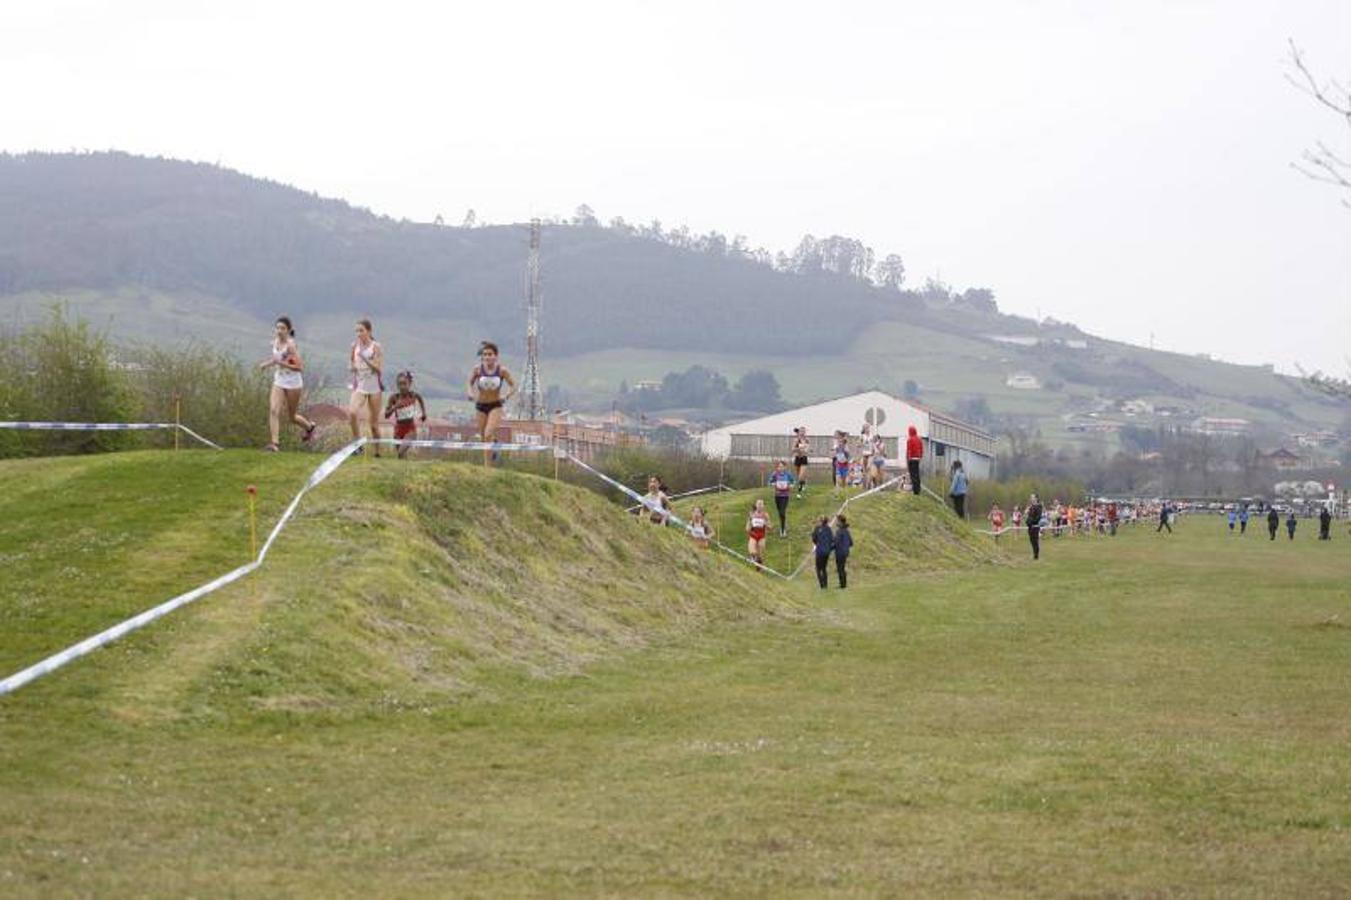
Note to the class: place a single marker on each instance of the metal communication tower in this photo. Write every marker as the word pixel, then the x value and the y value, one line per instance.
pixel 532 394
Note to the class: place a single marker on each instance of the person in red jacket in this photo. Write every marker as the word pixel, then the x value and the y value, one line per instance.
pixel 914 452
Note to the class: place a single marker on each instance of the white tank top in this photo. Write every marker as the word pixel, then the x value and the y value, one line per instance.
pixel 282 377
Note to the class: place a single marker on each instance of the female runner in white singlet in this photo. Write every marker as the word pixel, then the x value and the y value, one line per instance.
pixel 490 387
pixel 287 384
pixel 366 362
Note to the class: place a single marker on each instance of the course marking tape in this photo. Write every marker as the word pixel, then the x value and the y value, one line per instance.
pixel 88 645
pixel 459 445
pixel 106 426
pixel 694 493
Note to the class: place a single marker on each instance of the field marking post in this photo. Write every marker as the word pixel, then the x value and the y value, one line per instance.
pixel 253 520
pixel 178 418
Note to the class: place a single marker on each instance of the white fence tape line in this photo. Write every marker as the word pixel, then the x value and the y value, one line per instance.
pixel 694 493
pixel 460 445
pixel 106 426
pixel 88 645
pixel 671 518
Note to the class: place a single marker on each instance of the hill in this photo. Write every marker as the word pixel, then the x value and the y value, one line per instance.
pixel 162 250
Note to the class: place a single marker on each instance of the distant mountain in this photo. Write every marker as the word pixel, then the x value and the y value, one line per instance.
pixel 107 221
pixel 163 250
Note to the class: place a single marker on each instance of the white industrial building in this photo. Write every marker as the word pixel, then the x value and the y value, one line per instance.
pixel 945 438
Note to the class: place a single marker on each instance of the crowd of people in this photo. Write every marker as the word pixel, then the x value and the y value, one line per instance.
pixel 489 387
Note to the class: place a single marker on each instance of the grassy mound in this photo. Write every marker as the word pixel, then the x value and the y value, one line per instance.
pixel 396 584
pixel 894 533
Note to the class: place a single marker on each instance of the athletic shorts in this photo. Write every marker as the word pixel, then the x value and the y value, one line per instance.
pixel 842 472
pixel 486 408
pixel 405 429
pixel 799 460
pixel 879 462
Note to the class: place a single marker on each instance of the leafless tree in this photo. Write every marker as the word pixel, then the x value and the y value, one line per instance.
pixel 1322 163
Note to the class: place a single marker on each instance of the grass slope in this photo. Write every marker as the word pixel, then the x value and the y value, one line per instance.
pixel 1143 715
pixel 893 532
pixel 396 583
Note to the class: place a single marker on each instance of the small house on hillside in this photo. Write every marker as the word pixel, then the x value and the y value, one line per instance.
pixel 1023 381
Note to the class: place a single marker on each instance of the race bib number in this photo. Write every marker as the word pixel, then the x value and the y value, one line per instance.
pixel 406 413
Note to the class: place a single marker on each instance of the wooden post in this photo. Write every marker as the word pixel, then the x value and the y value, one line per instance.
pixel 178 417
pixel 253 521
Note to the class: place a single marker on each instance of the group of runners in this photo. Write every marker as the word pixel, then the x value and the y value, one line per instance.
pixel 489 387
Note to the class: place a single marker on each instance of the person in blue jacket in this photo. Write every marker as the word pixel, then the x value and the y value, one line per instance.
pixel 1243 520
pixel 1233 519
pixel 781 480
pixel 957 490
pixel 844 542
pixel 823 543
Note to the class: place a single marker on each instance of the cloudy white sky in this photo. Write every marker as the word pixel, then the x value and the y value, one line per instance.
pixel 1125 166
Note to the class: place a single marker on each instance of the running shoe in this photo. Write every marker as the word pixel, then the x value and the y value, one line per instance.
pixel 271 448
pixel 309 433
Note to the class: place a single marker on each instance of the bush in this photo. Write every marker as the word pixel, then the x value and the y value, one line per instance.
pixel 221 398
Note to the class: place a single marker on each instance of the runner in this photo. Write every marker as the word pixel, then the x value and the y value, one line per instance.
pixel 287 384
pixel 699 529
pixel 879 459
pixel 865 451
pixel 996 518
pixel 782 481
pixel 1243 521
pixel 823 544
pixel 840 461
pixel 844 542
pixel 485 389
pixel 366 362
pixel 914 452
pixel 656 502
pixel 1017 515
pixel 801 449
pixel 757 526
pixel 1233 519
pixel 407 408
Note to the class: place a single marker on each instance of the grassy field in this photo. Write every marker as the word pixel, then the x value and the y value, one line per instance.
pixel 517 691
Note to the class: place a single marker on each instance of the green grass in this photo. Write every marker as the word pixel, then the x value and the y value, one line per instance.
pixel 1142 715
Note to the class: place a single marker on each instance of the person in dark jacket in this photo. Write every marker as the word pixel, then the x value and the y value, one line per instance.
pixel 844 542
pixel 1325 524
pixel 823 543
pixel 1290 524
pixel 914 452
pixel 1033 517
pixel 958 489
pixel 1273 522
pixel 1165 512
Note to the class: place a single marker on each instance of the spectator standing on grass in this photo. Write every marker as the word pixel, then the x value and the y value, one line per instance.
pixel 1233 519
pixel 914 453
pixel 1273 522
pixel 1165 518
pixel 1290 523
pixel 1033 516
pixel 844 542
pixel 1112 516
pixel 1325 524
pixel 1243 520
pixel 957 490
pixel 823 544
pixel 782 481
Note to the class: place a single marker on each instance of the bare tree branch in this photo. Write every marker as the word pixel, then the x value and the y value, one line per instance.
pixel 1321 163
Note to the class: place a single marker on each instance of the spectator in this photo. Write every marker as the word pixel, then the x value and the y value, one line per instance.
pixel 1325 524
pixel 958 489
pixel 1273 522
pixel 1032 515
pixel 823 543
pixel 914 452
pixel 1164 518
pixel 1243 520
pixel 844 542
pixel 1290 524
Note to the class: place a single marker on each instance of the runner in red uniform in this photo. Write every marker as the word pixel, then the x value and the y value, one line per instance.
pixel 757 526
pixel 407 408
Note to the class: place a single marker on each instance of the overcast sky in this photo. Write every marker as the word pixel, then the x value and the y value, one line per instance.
pixel 1125 166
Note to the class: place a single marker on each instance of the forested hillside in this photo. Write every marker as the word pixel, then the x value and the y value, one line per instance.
pixel 106 221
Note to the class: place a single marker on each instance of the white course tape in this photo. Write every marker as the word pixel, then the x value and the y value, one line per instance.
pixel 459 445
pixel 106 426
pixel 88 645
